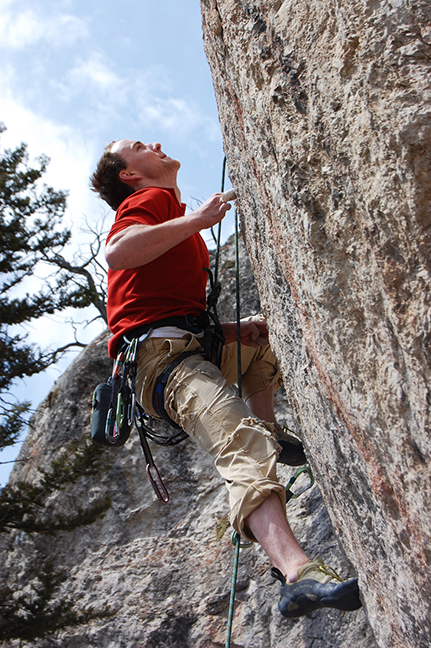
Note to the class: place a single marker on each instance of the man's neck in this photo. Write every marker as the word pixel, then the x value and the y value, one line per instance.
pixel 162 185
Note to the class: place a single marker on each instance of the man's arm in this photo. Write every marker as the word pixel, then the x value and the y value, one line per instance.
pixel 139 244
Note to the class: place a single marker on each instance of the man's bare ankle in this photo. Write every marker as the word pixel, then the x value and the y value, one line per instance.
pixel 292 573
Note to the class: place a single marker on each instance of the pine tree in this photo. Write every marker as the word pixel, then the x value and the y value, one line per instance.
pixel 31 234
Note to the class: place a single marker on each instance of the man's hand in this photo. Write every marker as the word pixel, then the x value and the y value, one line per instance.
pixel 211 212
pixel 254 333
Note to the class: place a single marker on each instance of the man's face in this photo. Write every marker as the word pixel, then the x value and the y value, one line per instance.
pixel 146 161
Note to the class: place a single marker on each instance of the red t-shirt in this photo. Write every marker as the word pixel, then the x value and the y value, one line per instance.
pixel 171 285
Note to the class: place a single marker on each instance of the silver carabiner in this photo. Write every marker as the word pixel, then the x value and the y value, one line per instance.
pixel 157 483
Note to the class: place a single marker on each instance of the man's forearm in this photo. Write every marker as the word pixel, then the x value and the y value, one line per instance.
pixel 138 245
pixel 253 333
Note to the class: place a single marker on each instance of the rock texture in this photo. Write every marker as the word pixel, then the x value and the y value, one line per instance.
pixel 164 570
pixel 326 119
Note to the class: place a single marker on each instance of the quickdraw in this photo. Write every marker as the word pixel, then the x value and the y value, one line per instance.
pixel 152 471
pixel 115 410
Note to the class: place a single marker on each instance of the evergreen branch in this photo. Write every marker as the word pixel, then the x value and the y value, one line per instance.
pixel 22 506
pixel 43 609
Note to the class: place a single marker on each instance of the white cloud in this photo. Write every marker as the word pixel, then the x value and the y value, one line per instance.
pixel 179 116
pixel 148 96
pixel 18 30
pixel 97 72
pixel 70 152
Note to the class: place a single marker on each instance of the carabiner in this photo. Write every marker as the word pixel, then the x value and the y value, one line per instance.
pixel 109 419
pixel 119 414
pixel 236 538
pixel 304 469
pixel 131 351
pixel 131 412
pixel 157 483
pixel 117 364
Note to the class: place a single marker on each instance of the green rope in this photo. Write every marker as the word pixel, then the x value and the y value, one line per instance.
pixel 238 307
pixel 236 538
pixel 223 176
pixel 236 541
pixel 237 544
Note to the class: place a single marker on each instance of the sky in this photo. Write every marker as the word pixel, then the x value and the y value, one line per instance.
pixel 76 75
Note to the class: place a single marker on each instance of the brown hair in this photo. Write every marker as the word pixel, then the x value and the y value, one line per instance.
pixel 106 181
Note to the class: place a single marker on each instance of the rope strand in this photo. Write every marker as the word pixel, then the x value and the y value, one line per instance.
pixel 237 543
pixel 238 307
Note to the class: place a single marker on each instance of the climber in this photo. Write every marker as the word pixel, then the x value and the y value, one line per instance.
pixel 156 291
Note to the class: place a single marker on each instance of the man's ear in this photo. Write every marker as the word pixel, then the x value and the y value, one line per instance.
pixel 127 176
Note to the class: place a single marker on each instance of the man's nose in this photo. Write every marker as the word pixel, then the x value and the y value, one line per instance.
pixel 155 146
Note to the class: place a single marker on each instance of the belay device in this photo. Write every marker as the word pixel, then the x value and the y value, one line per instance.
pixel 115 410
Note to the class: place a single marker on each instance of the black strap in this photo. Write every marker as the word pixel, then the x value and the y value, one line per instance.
pixel 159 389
pixel 206 323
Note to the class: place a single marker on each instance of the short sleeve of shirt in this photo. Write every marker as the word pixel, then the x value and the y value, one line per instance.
pixel 142 209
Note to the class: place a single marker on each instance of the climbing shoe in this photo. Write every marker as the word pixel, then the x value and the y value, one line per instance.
pixel 292 451
pixel 318 586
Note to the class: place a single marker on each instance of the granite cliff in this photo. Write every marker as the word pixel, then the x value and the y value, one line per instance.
pixel 162 572
pixel 326 119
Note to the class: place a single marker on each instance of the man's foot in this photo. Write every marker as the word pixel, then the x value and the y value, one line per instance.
pixel 318 586
pixel 292 451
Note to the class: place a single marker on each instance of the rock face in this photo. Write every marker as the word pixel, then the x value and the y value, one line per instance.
pixel 326 119
pixel 163 571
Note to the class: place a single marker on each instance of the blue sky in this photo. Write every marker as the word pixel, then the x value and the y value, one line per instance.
pixel 75 75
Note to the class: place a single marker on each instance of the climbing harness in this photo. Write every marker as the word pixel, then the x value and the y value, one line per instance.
pixel 159 389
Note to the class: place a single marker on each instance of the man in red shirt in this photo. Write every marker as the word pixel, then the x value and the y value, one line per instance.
pixel 156 290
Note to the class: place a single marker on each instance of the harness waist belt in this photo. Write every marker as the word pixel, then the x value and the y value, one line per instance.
pixel 192 323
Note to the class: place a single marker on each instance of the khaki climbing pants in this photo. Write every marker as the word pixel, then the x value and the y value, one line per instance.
pixel 198 397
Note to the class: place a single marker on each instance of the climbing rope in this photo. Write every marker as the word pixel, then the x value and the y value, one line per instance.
pixel 236 538
pixel 218 238
pixel 236 542
pixel 238 306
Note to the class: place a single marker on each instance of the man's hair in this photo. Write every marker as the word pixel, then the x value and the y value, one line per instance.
pixel 106 180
